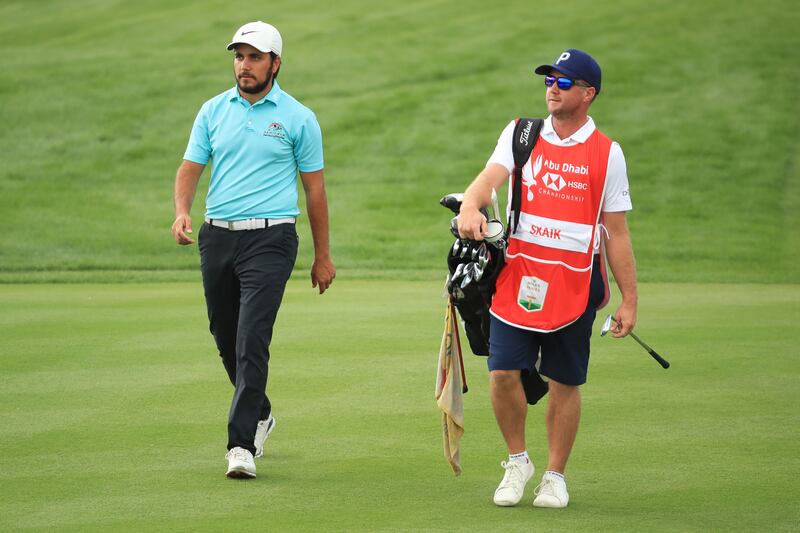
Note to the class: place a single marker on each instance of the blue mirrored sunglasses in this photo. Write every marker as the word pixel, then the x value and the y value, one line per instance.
pixel 565 84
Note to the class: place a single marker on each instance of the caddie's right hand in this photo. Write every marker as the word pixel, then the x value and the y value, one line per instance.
pixel 180 228
pixel 471 223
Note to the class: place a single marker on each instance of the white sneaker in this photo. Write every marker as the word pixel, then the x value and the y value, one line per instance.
pixel 263 430
pixel 240 463
pixel 551 492
pixel 511 489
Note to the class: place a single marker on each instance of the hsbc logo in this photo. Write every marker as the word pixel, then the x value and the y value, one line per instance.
pixel 554 182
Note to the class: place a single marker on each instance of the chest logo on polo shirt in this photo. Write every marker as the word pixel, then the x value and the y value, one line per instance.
pixel 275 130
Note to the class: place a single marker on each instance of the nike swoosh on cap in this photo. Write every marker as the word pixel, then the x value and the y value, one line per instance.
pixel 251 31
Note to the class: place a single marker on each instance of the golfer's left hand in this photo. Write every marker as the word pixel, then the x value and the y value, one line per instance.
pixel 625 320
pixel 181 228
pixel 322 273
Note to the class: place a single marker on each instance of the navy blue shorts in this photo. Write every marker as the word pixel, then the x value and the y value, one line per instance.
pixel 564 353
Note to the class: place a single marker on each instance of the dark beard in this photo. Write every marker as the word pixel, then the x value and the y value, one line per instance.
pixel 255 89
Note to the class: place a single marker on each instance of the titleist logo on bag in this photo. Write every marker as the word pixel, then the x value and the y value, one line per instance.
pixel 525 133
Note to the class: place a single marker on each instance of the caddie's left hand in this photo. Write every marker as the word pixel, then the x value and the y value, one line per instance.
pixel 625 320
pixel 322 273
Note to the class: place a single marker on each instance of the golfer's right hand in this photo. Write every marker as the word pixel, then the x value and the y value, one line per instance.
pixel 471 224
pixel 180 228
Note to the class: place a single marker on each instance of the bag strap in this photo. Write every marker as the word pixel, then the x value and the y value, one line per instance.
pixel 526 133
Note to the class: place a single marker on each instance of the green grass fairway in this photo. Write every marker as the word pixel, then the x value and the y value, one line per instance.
pixel 113 407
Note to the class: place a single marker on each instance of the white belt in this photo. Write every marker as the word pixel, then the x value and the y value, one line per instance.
pixel 249 223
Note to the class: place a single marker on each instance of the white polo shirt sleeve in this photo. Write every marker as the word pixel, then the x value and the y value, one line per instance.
pixel 617 197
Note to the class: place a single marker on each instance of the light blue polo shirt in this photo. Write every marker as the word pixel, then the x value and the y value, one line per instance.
pixel 256 151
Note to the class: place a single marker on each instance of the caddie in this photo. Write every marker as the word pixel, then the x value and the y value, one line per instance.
pixel 573 205
pixel 259 138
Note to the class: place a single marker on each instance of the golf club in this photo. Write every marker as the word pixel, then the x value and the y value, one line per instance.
pixel 459 270
pixel 467 275
pixel 478 269
pixel 495 206
pixel 483 256
pixel 454 227
pixel 607 326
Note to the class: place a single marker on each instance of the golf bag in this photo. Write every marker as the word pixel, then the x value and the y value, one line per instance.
pixel 475 265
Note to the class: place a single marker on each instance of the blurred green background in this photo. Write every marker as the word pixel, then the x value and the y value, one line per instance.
pixel 98 98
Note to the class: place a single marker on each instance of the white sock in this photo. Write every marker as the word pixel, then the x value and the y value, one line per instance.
pixel 522 457
pixel 557 474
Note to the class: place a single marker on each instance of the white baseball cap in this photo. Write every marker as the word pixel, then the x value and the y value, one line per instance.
pixel 260 35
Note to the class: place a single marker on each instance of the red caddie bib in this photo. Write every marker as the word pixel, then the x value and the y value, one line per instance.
pixel 544 285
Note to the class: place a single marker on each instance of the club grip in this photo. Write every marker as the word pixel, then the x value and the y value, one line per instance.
pixel 661 361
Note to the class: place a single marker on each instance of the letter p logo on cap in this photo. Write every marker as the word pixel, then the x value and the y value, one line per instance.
pixel 562 57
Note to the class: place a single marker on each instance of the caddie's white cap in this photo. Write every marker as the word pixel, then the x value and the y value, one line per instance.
pixel 260 35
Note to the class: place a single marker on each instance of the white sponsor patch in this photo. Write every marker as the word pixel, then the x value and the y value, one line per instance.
pixel 554 233
pixel 532 291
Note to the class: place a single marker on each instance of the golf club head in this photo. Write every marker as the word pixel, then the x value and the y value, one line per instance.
pixel 468 271
pixel 452 201
pixel 478 269
pixel 456 247
pixel 454 227
pixel 483 256
pixel 459 272
pixel 606 326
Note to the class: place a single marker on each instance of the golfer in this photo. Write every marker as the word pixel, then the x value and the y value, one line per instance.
pixel 258 138
pixel 574 195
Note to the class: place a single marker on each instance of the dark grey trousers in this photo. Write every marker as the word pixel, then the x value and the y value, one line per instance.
pixel 244 277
